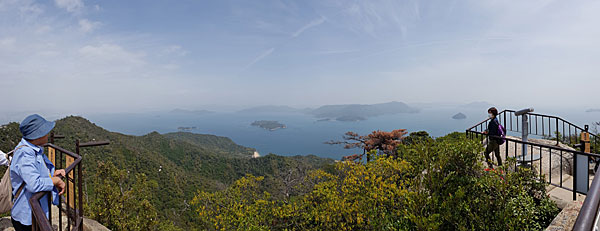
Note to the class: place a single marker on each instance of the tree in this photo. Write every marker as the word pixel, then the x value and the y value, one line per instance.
pixel 120 205
pixel 437 185
pixel 384 142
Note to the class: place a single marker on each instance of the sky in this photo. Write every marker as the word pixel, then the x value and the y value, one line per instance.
pixel 99 56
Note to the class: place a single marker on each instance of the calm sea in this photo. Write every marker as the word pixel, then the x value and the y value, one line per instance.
pixel 304 135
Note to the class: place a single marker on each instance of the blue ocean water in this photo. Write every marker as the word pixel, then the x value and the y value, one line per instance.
pixel 304 134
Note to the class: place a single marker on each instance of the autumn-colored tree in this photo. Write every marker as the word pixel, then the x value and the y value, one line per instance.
pixel 382 141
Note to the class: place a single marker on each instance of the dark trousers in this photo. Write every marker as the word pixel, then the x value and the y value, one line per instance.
pixel 492 146
pixel 20 227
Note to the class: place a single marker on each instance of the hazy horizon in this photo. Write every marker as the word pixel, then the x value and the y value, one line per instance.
pixel 91 56
pixel 558 110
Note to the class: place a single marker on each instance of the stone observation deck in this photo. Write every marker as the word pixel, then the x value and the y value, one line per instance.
pixel 561 153
pixel 557 173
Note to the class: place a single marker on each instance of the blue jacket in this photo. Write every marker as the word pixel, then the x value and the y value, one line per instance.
pixel 30 165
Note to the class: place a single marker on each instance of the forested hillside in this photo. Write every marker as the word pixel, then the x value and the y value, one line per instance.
pixel 172 167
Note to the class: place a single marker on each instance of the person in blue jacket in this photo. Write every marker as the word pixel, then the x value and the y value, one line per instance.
pixel 31 171
pixel 493 143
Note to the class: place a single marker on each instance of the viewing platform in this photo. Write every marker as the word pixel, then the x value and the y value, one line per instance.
pixel 70 215
pixel 561 153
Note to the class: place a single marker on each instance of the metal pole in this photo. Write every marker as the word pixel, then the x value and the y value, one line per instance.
pixel 79 185
pixel 524 133
pixel 80 196
pixel 574 176
pixel 50 194
pixel 557 140
pixel 60 226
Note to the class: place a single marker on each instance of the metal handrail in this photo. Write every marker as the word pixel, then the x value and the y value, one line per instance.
pixel 77 157
pixel 586 220
pixel 40 222
pixel 539 145
pixel 535 114
pixel 546 126
pixel 589 210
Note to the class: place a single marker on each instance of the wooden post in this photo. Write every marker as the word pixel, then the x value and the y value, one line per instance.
pixel 585 139
pixel 52 155
pixel 71 196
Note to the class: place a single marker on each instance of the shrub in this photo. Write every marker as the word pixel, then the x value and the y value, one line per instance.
pixel 431 185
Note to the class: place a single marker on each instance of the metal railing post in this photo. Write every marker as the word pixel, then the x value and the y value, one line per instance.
pixel 557 135
pixel 78 215
pixel 574 176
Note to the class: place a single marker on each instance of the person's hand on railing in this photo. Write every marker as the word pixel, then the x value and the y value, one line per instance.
pixel 60 173
pixel 59 184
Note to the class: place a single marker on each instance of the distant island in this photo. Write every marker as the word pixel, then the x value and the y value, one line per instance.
pixel 190 112
pixel 270 125
pixel 185 129
pixel 357 112
pixel 593 110
pixel 272 109
pixel 459 116
pixel 324 120
pixel 478 104
pixel 338 112
pixel 350 118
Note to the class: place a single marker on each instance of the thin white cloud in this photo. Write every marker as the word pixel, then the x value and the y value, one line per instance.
pixel 7 42
pixel 171 66
pixel 260 57
pixel 73 6
pixel 176 50
pixel 311 24
pixel 377 16
pixel 102 70
pixel 111 54
pixel 43 29
pixel 333 52
pixel 88 26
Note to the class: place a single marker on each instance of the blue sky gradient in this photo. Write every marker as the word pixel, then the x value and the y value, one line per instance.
pixel 124 56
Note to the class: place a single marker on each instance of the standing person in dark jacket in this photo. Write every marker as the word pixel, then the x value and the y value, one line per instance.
pixel 493 143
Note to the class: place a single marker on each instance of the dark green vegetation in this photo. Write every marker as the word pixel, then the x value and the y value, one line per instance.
pixel 428 184
pixel 189 181
pixel 268 124
pixel 162 172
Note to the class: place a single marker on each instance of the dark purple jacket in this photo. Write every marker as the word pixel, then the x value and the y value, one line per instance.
pixel 493 128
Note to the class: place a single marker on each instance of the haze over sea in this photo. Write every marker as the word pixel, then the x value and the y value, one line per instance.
pixel 305 135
